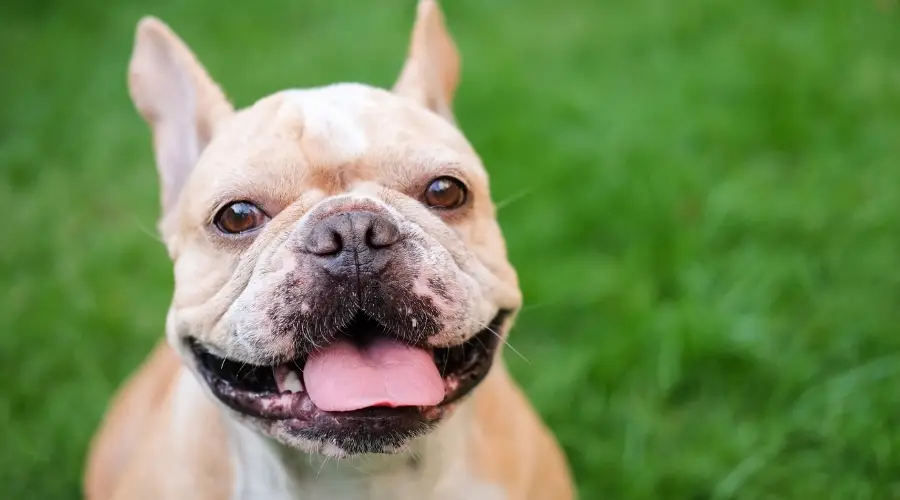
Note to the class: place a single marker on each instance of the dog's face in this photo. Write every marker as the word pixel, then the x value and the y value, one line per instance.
pixel 340 278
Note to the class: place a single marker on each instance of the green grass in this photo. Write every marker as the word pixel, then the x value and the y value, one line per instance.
pixel 702 199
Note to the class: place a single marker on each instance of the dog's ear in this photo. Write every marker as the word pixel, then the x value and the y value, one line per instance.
pixel 431 72
pixel 177 98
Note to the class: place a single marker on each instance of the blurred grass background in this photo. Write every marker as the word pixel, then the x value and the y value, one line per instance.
pixel 701 197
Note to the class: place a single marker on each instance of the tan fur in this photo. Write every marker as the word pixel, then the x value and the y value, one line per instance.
pixel 533 468
pixel 142 452
pixel 127 416
pixel 302 155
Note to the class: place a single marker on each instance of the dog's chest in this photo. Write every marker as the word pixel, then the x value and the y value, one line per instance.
pixel 351 485
pixel 262 474
pixel 360 489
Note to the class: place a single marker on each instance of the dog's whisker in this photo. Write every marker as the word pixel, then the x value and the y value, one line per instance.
pixel 444 368
pixel 506 342
pixel 322 466
pixel 513 198
pixel 360 469
pixel 310 338
pixel 228 351
pixel 152 234
pixel 416 455
pixel 482 343
pixel 540 305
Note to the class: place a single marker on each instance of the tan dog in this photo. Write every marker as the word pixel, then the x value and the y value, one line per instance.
pixel 341 292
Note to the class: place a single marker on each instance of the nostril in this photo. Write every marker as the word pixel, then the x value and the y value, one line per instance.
pixel 381 233
pixel 325 240
pixel 370 237
pixel 334 245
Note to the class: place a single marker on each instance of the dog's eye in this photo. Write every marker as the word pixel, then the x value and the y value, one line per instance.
pixel 240 217
pixel 445 193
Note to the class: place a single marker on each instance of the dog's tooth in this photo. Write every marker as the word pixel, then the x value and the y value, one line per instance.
pixel 292 382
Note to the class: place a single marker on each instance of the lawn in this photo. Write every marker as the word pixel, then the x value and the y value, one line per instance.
pixel 702 198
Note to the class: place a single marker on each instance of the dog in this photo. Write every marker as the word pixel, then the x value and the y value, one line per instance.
pixel 342 295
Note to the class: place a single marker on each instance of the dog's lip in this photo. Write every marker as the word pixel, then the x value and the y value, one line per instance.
pixel 298 408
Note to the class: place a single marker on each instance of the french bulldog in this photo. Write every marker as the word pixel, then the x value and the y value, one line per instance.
pixel 342 296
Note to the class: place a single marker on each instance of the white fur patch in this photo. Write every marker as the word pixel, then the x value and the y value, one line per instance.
pixel 184 401
pixel 258 471
pixel 331 114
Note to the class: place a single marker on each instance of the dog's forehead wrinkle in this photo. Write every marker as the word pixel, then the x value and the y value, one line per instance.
pixel 328 138
pixel 347 121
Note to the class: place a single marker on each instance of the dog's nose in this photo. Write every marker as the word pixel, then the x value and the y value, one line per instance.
pixel 353 243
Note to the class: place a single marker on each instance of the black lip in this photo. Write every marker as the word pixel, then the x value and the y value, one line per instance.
pixel 251 389
pixel 478 354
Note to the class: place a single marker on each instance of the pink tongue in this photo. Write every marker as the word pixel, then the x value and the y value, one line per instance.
pixel 346 377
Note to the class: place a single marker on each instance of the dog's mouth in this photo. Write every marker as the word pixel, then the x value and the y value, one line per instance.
pixel 365 380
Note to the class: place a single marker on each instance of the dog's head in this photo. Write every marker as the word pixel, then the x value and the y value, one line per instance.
pixel 340 277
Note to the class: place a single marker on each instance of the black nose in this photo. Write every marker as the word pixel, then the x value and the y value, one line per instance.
pixel 356 244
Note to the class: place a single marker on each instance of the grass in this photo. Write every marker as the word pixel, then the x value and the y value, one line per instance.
pixel 702 199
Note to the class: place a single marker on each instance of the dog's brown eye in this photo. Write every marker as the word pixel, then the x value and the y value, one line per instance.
pixel 240 217
pixel 446 193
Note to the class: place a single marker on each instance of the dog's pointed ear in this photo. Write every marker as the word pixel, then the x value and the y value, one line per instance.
pixel 431 72
pixel 177 98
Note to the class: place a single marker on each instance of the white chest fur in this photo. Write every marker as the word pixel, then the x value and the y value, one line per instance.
pixel 438 469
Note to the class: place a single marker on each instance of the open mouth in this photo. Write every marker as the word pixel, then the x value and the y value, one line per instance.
pixel 364 377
